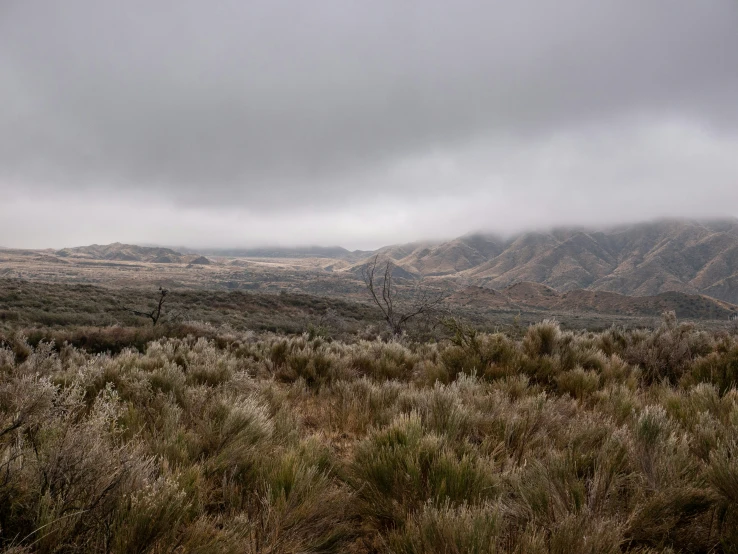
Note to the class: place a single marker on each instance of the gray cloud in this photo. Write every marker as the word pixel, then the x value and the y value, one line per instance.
pixel 330 108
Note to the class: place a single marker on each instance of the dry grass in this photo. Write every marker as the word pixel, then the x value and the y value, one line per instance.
pixel 201 439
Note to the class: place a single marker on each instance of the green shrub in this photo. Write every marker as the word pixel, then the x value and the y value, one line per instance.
pixel 542 339
pixel 448 528
pixel 719 368
pixel 722 475
pixel 578 382
pixel 493 356
pixel 397 470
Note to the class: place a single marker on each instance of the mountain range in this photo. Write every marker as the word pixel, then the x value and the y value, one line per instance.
pixel 642 260
pixel 692 257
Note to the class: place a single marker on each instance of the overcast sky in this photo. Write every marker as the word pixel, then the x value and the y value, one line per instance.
pixel 360 123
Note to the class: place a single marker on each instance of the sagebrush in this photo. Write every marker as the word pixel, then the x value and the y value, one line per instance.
pixel 224 441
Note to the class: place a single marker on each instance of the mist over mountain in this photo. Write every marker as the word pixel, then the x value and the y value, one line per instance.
pixel 693 257
pixel 334 252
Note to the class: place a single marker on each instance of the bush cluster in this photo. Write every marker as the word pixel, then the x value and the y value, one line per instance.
pixel 222 441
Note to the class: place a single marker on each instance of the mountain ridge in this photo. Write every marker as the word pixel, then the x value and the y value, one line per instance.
pixel 646 259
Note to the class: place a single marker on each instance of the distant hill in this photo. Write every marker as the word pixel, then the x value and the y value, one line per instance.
pixel 129 253
pixel 333 252
pixel 444 258
pixel 691 257
pixel 645 260
pixel 536 296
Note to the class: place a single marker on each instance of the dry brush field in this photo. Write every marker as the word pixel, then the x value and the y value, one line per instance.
pixel 206 439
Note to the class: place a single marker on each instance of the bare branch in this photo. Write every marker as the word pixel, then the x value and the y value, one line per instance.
pixel 155 313
pixel 368 273
pixel 421 302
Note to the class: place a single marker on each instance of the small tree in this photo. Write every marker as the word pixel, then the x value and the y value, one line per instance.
pixel 155 313
pixel 384 294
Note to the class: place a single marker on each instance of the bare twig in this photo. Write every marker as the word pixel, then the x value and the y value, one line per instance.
pixel 154 314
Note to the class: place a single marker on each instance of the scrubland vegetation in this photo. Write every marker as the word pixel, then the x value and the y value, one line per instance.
pixel 213 440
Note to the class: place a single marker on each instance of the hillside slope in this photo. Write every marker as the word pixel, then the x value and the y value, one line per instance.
pixel 691 257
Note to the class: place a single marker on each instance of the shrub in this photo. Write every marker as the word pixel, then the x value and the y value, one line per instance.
pixel 667 352
pixel 719 368
pixel 397 470
pixel 449 528
pixel 493 355
pixel 722 474
pixel 578 382
pixel 222 441
pixel 542 339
